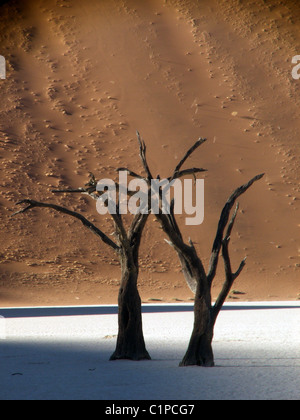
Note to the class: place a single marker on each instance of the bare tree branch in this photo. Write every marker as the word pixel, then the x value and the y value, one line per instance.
pixel 84 221
pixel 87 191
pixel 139 220
pixel 188 153
pixel 229 276
pixel 168 221
pixel 92 181
pixel 119 226
pixel 143 156
pixel 187 272
pixel 191 171
pixel 70 190
pixel 131 173
pixel 222 224
pixel 185 266
pixel 241 266
pixel 231 223
pixel 172 219
pixel 91 189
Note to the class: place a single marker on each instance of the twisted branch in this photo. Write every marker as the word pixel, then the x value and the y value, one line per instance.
pixel 229 275
pixel 84 221
pixel 222 224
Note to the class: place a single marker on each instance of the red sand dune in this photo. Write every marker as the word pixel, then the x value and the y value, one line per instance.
pixel 82 76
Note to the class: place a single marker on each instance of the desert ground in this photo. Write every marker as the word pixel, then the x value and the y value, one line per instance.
pixel 83 76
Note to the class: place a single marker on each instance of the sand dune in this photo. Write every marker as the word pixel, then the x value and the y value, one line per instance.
pixel 83 76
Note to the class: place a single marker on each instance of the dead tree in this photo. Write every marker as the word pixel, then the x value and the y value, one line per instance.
pixel 199 350
pixel 130 341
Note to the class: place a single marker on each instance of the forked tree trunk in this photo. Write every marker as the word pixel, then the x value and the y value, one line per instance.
pixel 130 341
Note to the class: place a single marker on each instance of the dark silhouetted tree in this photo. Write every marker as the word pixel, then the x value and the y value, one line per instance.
pixel 130 340
pixel 199 350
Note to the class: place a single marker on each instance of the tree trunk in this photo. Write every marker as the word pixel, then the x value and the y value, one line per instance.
pixel 200 351
pixel 130 341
